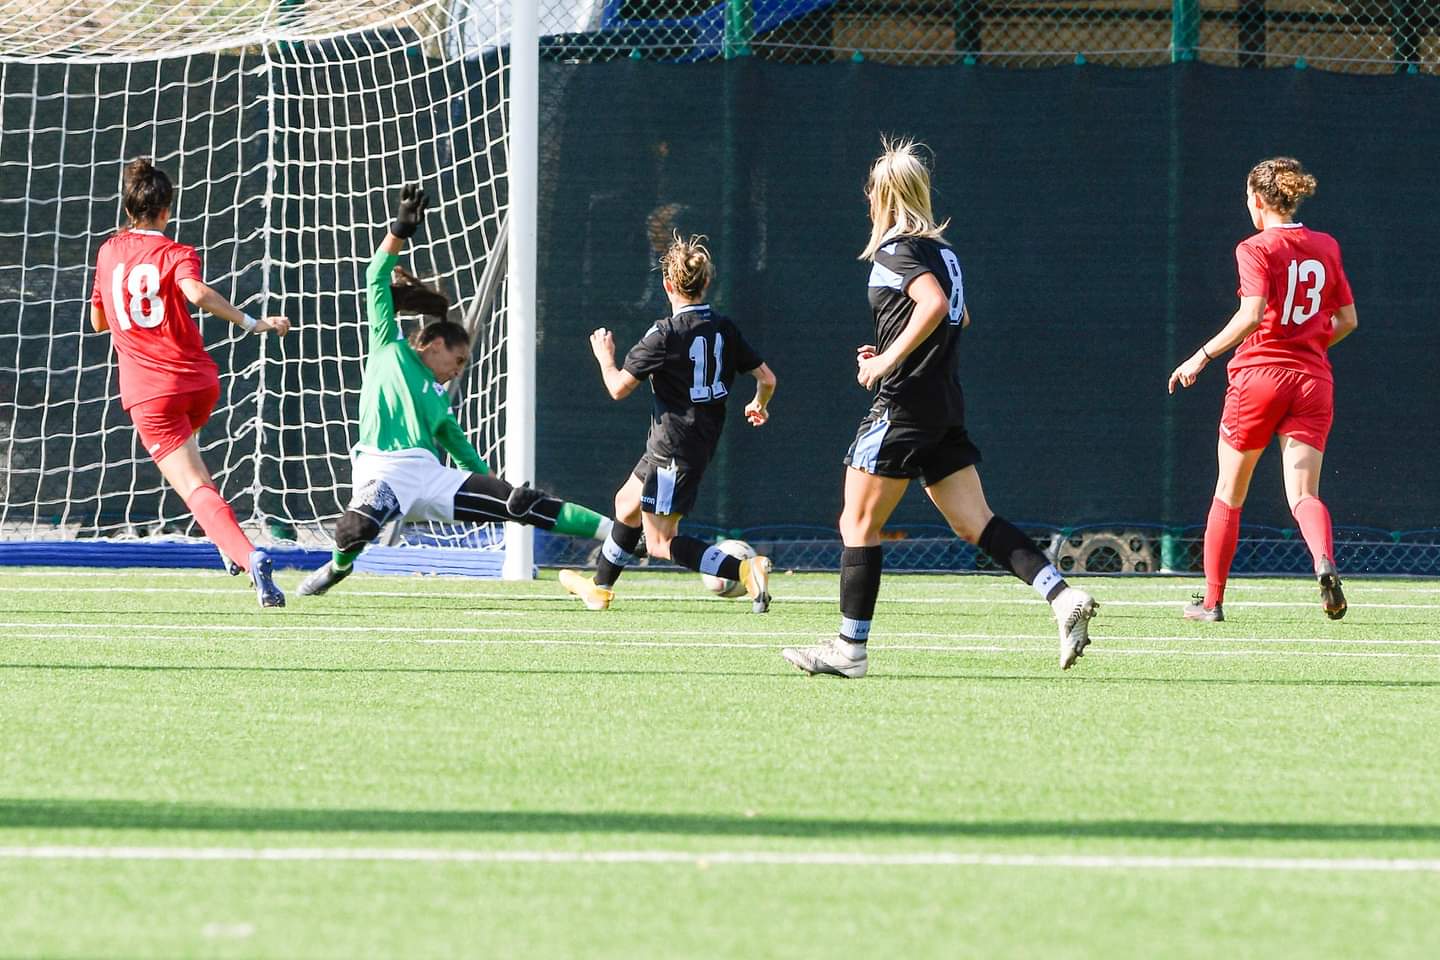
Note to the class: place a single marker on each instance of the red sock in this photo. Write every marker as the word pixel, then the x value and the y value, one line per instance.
pixel 218 521
pixel 1222 533
pixel 1314 520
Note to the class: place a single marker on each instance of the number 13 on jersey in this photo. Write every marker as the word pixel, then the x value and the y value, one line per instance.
pixel 1306 277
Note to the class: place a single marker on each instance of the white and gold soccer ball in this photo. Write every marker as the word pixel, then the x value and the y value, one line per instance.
pixel 721 586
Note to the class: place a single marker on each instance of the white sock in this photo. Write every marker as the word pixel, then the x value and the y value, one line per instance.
pixel 603 529
pixel 1046 580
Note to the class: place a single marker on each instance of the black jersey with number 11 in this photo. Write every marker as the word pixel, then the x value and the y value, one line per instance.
pixel 691 359
pixel 925 387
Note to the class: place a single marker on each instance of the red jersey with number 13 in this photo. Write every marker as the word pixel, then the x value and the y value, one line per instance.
pixel 1298 272
pixel 157 342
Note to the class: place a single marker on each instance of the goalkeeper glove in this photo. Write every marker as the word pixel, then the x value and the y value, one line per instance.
pixel 409 211
pixel 522 499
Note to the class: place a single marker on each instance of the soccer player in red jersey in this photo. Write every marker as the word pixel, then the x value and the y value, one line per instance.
pixel 1295 304
pixel 144 286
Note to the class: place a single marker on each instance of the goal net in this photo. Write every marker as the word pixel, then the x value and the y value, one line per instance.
pixel 287 127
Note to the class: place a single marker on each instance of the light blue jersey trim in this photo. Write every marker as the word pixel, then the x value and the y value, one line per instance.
pixel 883 276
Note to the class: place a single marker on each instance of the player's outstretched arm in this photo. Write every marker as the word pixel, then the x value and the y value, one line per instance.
pixel 410 206
pixel 1245 322
pixel 618 383
pixel 756 410
pixel 206 298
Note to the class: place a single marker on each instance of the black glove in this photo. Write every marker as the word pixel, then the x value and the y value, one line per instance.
pixel 409 211
pixel 522 499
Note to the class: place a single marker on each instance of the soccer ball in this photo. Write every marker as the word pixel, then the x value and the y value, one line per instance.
pixel 729 588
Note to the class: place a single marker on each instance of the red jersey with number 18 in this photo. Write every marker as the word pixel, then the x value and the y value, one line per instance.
pixel 1298 272
pixel 157 342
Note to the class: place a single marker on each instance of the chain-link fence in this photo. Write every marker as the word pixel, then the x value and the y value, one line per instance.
pixel 1358 36
pixel 1135 548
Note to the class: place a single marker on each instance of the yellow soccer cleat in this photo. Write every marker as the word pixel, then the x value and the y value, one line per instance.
pixel 595 597
pixel 755 574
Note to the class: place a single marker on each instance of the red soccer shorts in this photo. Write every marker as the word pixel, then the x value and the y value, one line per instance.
pixel 1263 401
pixel 165 423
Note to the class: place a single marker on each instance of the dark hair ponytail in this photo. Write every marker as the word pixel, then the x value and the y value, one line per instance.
pixel 147 192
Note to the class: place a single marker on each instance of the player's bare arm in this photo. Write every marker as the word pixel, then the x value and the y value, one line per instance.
pixel 207 299
pixel 97 319
pixel 756 411
pixel 1245 321
pixel 1343 324
pixel 931 305
pixel 618 383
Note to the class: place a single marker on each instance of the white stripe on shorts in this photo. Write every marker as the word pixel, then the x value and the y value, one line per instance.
pixel 665 488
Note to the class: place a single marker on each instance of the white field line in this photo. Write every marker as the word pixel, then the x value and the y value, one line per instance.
pixel 622 635
pixel 958 600
pixel 1094 648
pixel 738 858
pixel 966 581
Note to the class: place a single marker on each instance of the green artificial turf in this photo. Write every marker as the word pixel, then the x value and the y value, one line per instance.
pixel 163 714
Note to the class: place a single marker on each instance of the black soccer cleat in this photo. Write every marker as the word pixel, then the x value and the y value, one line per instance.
pixel 1196 610
pixel 322 579
pixel 1332 598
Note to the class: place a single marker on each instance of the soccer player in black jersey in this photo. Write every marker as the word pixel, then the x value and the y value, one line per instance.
pixel 690 358
pixel 916 426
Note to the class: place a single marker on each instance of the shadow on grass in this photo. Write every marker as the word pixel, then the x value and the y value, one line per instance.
pixel 131 815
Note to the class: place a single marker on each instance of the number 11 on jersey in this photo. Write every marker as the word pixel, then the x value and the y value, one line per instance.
pixel 700 391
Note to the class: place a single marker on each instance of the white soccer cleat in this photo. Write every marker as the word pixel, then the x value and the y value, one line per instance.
pixel 755 574
pixel 322 579
pixel 1073 612
pixel 829 658
pixel 595 597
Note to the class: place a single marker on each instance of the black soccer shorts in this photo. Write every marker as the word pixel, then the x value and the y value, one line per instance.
pixel 887 448
pixel 668 487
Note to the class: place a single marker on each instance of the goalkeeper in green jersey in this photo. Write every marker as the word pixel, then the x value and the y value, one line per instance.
pixel 405 421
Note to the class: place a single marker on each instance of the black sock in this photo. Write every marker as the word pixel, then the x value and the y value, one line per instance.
pixel 859 586
pixel 699 556
pixel 617 551
pixel 1009 547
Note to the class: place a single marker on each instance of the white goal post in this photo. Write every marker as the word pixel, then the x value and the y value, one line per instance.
pixel 287 126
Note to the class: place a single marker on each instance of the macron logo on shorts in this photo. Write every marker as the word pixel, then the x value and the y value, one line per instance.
pixel 152 448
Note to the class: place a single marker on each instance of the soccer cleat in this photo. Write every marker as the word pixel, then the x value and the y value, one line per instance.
pixel 1332 598
pixel 829 658
pixel 1073 611
pixel 596 597
pixel 755 574
pixel 323 578
pixel 262 570
pixel 1196 610
pixel 233 568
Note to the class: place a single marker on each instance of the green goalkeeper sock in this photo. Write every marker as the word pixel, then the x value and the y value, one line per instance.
pixel 578 521
pixel 343 559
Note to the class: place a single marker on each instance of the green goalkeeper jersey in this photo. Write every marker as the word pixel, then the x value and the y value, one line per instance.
pixel 402 406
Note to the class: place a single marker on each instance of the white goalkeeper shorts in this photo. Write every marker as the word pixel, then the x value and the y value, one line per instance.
pixel 424 486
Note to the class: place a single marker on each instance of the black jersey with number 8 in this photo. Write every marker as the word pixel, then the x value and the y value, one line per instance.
pixel 925 387
pixel 691 360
